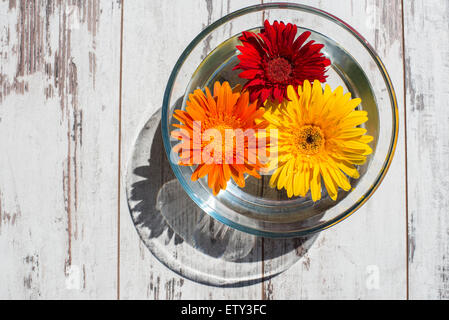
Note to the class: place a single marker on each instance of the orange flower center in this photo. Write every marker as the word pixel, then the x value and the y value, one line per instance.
pixel 278 70
pixel 228 122
pixel 309 140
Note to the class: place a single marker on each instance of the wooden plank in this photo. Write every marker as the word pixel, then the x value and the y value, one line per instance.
pixel 155 34
pixel 426 37
pixel 364 256
pixel 344 259
pixel 59 80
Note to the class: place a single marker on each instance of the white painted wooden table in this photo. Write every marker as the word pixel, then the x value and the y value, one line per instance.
pixel 79 78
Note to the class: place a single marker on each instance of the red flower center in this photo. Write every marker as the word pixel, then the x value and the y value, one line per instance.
pixel 278 70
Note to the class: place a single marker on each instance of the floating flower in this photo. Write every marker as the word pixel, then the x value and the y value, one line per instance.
pixel 219 134
pixel 318 138
pixel 272 59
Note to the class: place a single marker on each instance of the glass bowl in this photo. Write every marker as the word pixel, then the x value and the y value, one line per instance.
pixel 256 208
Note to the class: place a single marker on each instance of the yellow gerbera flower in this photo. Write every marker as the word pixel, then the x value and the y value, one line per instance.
pixel 318 137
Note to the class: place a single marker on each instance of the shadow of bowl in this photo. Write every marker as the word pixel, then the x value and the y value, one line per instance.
pixel 187 240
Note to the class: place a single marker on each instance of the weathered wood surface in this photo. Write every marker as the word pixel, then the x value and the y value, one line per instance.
pixel 59 81
pixel 365 255
pixel 148 58
pixel 65 229
pixel 344 262
pixel 426 50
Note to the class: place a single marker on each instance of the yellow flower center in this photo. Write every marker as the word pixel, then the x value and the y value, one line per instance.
pixel 309 140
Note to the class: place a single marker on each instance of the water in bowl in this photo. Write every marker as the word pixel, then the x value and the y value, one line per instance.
pixel 257 193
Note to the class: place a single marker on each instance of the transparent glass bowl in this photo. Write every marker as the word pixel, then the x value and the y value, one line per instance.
pixel 258 209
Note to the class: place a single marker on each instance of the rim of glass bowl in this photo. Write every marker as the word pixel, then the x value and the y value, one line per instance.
pixel 255 8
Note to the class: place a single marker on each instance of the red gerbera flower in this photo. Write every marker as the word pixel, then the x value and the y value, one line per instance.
pixel 272 59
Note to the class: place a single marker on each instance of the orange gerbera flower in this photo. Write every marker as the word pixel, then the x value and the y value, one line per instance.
pixel 218 133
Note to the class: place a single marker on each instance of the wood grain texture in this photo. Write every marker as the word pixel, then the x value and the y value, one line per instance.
pixel 426 50
pixel 59 133
pixel 59 78
pixel 148 58
pixel 343 260
pixel 348 260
